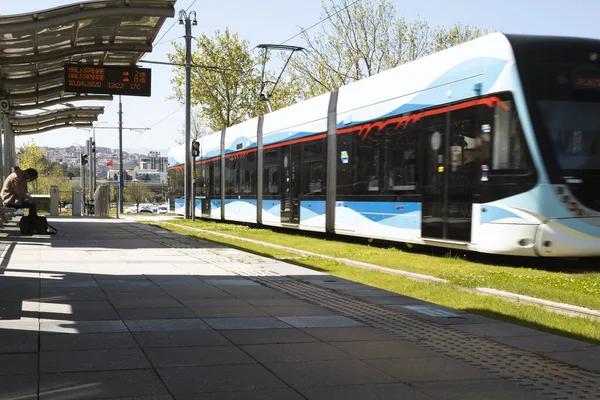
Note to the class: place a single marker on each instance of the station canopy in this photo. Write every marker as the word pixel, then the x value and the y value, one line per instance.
pixel 34 48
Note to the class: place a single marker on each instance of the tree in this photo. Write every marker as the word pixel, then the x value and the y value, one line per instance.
pixel 32 156
pixel 137 193
pixel 364 39
pixel 198 127
pixel 73 172
pixel 229 95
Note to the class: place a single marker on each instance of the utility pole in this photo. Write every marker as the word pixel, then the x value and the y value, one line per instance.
pixel 122 177
pixel 189 198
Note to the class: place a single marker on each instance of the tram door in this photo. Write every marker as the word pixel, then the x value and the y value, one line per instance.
pixel 448 179
pixel 290 202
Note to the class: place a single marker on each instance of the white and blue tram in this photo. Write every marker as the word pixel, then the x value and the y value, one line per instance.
pixel 490 146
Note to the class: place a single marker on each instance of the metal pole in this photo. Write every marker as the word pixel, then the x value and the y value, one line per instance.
pixel 122 177
pixel 118 201
pixel 188 161
pixel 193 189
pixel 87 146
pixel 4 172
pixel 91 163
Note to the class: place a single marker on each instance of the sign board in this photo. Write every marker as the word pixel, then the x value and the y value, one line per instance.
pixel 105 79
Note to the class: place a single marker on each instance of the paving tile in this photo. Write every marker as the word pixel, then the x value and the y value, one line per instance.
pixel 499 329
pixel 231 282
pixel 382 391
pixel 199 292
pixel 64 283
pixel 100 384
pixel 283 301
pixel 266 336
pixel 294 352
pixel 394 300
pixel 476 389
pixel 220 378
pixel 155 313
pixel 348 334
pixel 88 341
pixel 319 321
pixel 588 359
pixel 253 292
pixel 428 369
pixel 280 394
pixel 223 312
pixel 228 302
pixel 92 360
pixel 154 295
pixel 19 387
pixel 328 373
pixel 145 303
pixel 197 356
pixel 163 325
pixel 18 342
pixel 245 323
pixel 50 295
pixel 18 364
pixel 57 326
pixel 185 339
pixel 165 397
pixel 369 350
pixel 82 315
pixel 23 324
pixel 302 311
pixel 544 343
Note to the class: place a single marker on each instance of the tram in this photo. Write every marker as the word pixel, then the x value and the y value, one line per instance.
pixel 490 146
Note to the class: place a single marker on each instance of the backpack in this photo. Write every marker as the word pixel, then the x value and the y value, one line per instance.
pixel 31 225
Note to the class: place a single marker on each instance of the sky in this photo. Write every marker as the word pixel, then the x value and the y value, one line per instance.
pixel 275 21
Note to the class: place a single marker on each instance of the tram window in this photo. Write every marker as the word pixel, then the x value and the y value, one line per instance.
pixel 313 171
pixel 315 177
pixel 401 160
pixel 366 164
pixel 216 179
pixel 271 180
pixel 271 172
pixel 509 150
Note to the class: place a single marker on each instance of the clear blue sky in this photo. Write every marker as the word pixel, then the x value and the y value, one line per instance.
pixel 274 21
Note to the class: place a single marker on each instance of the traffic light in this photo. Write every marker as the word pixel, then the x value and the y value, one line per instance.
pixel 84 159
pixel 195 148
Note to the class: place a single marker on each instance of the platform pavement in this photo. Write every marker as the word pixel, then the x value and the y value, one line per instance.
pixel 111 309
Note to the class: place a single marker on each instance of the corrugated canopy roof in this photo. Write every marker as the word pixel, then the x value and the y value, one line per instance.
pixel 35 46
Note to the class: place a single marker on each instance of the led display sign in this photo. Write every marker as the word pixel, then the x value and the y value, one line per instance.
pixel 104 79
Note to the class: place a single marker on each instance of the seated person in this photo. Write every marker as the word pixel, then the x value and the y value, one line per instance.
pixel 14 191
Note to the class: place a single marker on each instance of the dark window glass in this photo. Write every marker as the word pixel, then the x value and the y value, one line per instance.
pixel 271 172
pixel 313 168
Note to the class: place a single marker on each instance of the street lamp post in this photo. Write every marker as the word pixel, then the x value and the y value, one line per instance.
pixel 190 201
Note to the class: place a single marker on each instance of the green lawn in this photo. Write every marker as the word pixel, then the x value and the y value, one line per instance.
pixel 578 288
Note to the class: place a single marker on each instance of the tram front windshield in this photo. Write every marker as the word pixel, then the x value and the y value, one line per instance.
pixel 568 102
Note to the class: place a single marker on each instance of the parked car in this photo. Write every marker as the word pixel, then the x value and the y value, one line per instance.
pixel 163 209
